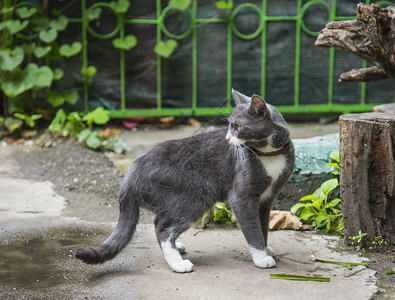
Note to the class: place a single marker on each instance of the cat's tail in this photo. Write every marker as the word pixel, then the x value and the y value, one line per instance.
pixel 120 237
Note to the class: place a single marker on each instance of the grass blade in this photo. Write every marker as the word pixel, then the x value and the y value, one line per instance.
pixel 389 272
pixel 299 277
pixel 339 262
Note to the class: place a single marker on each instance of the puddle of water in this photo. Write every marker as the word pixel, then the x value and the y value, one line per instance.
pixel 39 263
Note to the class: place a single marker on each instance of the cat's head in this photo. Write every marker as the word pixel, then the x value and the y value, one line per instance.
pixel 256 124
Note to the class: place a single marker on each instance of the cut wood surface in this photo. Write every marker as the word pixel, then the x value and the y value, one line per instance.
pixel 370 36
pixel 367 178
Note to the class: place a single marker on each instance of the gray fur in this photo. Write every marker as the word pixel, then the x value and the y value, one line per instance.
pixel 180 180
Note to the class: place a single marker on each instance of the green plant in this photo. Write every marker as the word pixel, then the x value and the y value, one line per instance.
pixel 80 125
pixel 324 213
pixel 378 242
pixel 335 157
pixel 29 120
pixel 28 55
pixel 356 241
pixel 219 214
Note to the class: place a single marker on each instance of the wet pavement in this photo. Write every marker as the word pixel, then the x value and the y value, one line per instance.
pixel 39 230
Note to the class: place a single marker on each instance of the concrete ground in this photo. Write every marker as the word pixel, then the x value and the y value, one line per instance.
pixel 37 240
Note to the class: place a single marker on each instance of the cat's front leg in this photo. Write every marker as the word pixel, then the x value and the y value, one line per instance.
pixel 247 215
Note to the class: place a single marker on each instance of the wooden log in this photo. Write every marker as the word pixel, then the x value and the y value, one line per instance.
pixel 385 108
pixel 366 75
pixel 367 175
pixel 370 36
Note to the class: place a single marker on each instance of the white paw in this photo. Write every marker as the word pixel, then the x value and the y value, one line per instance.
pixel 269 251
pixel 183 266
pixel 180 247
pixel 265 263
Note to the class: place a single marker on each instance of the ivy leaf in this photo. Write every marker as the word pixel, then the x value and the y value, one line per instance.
pixel 58 74
pixel 12 124
pixel 93 13
pixel 17 82
pixel 9 60
pixel 120 6
pixel 71 97
pixel 179 4
pixel 89 71
pixel 70 50
pixel 43 77
pixel 48 36
pixel 60 23
pixel 58 122
pixel 42 51
pixel 15 26
pixel 55 99
pixel 224 5
pixel 99 116
pixel 165 49
pixel 26 12
pixel 94 140
pixel 127 43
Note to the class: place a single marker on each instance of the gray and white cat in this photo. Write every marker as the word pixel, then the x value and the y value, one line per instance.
pixel 180 180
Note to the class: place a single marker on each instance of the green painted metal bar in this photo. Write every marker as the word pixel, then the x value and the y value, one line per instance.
pixel 194 56
pixel 122 61
pixel 264 48
pixel 297 55
pixel 331 59
pixel 158 59
pixel 229 64
pixel 85 53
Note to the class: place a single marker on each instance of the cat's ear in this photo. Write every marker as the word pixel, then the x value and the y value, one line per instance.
pixel 239 97
pixel 258 105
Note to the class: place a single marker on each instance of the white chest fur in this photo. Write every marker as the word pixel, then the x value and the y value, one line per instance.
pixel 274 166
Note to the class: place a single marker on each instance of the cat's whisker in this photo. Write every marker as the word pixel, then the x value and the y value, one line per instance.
pixel 251 150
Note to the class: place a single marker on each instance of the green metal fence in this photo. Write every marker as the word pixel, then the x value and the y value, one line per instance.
pixel 233 32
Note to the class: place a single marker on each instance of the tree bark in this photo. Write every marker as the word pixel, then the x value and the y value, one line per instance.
pixel 370 36
pixel 367 175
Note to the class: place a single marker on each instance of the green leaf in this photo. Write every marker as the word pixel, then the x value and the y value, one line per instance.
pixel 42 51
pixel 220 205
pixel 9 60
pixel 26 12
pixel 127 43
pixel 217 215
pixel 318 193
pixel 321 221
pixel 17 82
pixel 99 116
pixel 336 165
pixel 308 197
pixel 60 23
pixel 40 23
pixel 389 272
pixel 71 97
pixel 94 140
pixel 308 213
pixel 58 74
pixel 120 6
pixel 329 185
pixel 93 13
pixel 15 26
pixel 299 277
pixel 43 77
pixel 2 25
pixel 179 4
pixel 70 50
pixel 20 116
pixel 48 36
pixel 296 207
pixel 335 156
pixel 334 202
pixel 7 10
pixel 58 122
pixel 83 135
pixel 165 49
pixel 224 5
pixel 12 124
pixel 55 99
pixel 89 71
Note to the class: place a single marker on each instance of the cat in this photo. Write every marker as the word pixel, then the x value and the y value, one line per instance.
pixel 179 180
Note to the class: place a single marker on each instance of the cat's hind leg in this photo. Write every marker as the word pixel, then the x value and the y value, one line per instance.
pixel 167 232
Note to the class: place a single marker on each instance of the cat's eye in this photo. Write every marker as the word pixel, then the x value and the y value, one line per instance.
pixel 238 127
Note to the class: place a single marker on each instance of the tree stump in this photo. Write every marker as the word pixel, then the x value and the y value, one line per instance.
pixel 370 36
pixel 367 175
